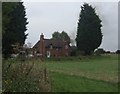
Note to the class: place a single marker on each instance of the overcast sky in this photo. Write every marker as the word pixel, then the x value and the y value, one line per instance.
pixel 49 17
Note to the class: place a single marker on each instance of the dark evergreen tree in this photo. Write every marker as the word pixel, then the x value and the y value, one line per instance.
pixel 14 26
pixel 89 36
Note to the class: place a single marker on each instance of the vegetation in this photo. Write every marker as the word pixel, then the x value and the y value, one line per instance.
pixel 84 74
pixel 100 51
pixel 65 74
pixel 14 24
pixel 60 74
pixel 67 83
pixel 89 36
pixel 61 36
pixel 73 51
pixel 118 52
pixel 19 76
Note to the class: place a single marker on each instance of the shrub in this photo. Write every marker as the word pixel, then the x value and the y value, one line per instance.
pixel 23 77
pixel 100 51
pixel 118 52
pixel 73 51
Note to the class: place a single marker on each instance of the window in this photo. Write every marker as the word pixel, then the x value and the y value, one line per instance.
pixel 51 47
pixel 66 46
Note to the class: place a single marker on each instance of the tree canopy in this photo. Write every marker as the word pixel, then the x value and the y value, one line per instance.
pixel 89 35
pixel 14 26
pixel 61 36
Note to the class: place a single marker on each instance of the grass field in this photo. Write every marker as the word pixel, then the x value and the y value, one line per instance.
pixel 81 74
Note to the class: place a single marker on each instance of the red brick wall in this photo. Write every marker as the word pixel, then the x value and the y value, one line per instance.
pixel 54 52
pixel 58 52
pixel 42 47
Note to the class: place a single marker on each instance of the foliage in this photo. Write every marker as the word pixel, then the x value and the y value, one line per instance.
pixel 14 26
pixel 89 36
pixel 118 52
pixel 108 52
pixel 61 36
pixel 73 51
pixel 19 76
pixel 100 51
pixel 6 10
pixel 71 74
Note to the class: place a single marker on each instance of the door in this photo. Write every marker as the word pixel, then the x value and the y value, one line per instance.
pixel 48 54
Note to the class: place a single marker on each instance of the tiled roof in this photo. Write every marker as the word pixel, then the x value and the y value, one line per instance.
pixel 54 43
pixel 37 44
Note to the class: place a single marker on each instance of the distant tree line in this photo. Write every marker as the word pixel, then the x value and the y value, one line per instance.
pixel 102 51
pixel 98 51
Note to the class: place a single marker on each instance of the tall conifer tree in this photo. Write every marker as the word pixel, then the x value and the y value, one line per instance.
pixel 14 26
pixel 89 35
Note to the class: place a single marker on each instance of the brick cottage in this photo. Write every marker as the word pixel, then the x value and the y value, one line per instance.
pixel 51 48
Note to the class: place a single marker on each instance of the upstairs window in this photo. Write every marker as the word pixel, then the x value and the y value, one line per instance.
pixel 51 47
pixel 66 46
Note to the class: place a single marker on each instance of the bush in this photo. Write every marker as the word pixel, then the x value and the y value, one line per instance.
pixel 107 52
pixel 99 51
pixel 73 51
pixel 23 77
pixel 118 52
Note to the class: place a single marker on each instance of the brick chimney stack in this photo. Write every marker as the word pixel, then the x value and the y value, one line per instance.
pixel 41 36
pixel 42 46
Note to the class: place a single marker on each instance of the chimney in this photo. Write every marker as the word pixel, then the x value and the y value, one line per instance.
pixel 42 37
